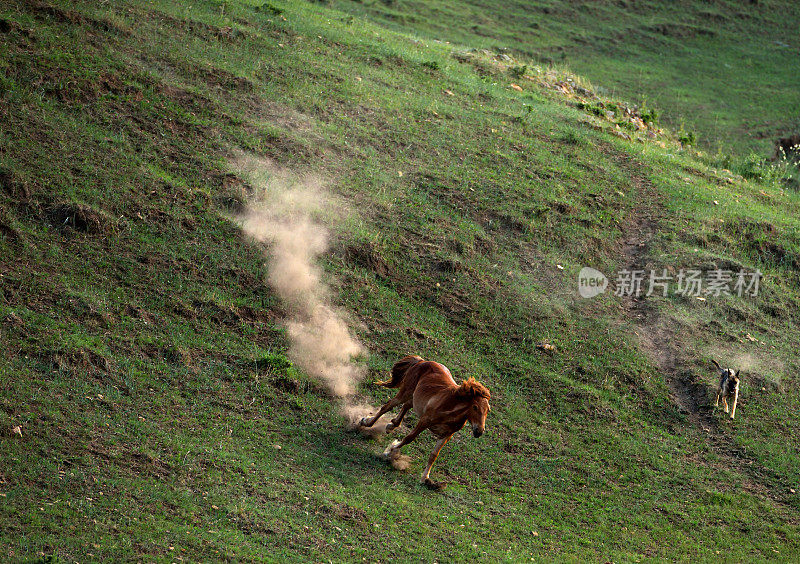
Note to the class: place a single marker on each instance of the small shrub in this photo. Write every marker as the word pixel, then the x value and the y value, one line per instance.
pixel 686 137
pixel 433 65
pixel 755 167
pixel 573 137
pixel 274 363
pixel 518 72
pixel 269 8
pixel 648 115
pixel 599 111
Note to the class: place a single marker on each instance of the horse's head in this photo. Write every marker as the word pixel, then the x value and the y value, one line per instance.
pixel 477 397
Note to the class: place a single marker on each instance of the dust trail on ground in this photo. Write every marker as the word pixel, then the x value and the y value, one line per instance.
pixel 400 462
pixel 397 460
pixel 354 411
pixel 767 367
pixel 289 213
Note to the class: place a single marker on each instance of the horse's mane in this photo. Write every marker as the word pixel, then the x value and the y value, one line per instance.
pixel 473 389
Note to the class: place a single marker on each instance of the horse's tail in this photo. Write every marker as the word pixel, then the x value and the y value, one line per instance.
pixel 399 371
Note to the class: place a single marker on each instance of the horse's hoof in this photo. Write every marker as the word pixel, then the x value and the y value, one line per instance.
pixel 363 422
pixel 391 450
pixel 435 486
pixel 390 427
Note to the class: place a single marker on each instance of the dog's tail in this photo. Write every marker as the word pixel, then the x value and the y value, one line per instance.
pixel 715 363
pixel 399 371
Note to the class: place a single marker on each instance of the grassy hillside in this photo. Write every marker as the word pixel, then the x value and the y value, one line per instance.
pixel 160 418
pixel 724 70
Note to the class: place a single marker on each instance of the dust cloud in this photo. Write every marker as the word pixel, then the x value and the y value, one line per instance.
pixel 289 214
pixel 762 367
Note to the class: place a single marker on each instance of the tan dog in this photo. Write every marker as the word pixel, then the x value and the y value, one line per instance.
pixel 728 387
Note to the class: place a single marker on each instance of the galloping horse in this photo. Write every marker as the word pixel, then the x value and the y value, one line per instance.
pixel 443 406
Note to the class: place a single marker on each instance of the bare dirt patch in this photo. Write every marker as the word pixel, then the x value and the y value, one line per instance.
pixel 80 217
pixel 663 347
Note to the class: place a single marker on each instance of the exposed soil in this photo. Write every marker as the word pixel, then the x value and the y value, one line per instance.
pixel 662 346
pixel 80 217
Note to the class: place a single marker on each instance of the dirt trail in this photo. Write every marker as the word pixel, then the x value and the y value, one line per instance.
pixel 661 346
pixel 658 342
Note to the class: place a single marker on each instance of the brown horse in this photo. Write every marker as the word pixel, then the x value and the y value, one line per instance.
pixel 443 406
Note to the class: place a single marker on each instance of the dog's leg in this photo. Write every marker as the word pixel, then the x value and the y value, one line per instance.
pixel 426 479
pixel 394 423
pixel 725 403
pixel 391 404
pixel 716 401
pixel 735 399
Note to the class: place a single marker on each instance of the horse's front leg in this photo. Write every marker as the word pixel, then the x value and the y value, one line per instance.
pixel 395 446
pixel 431 459
pixel 391 404
pixel 394 423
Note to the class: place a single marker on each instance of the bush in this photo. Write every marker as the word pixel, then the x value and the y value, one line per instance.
pixel 599 111
pixel 686 137
pixel 573 137
pixel 755 167
pixel 269 8
pixel 518 72
pixel 648 115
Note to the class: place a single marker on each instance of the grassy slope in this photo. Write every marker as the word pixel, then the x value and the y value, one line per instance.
pixel 146 353
pixel 725 70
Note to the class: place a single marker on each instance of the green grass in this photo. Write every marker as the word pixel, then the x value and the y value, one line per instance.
pixel 725 70
pixel 146 355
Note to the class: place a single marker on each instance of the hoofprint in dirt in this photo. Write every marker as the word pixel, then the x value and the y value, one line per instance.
pixel 661 345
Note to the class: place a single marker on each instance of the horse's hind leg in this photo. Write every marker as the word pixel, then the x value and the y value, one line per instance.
pixel 391 404
pixel 431 459
pixel 394 423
